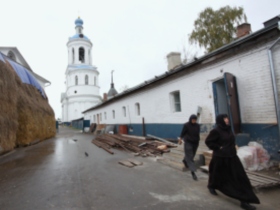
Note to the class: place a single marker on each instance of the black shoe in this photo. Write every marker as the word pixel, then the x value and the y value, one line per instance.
pixel 194 176
pixel 212 191
pixel 247 206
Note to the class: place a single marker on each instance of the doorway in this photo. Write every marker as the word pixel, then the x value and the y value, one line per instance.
pixel 220 97
pixel 226 100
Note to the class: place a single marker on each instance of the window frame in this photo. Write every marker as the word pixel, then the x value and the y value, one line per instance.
pixel 137 109
pixel 113 114
pixel 124 111
pixel 176 106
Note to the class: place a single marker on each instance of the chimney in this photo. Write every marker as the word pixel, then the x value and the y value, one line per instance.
pixel 243 30
pixel 105 97
pixel 173 60
pixel 273 21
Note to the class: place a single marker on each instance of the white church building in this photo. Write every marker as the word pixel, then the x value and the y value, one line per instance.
pixel 82 87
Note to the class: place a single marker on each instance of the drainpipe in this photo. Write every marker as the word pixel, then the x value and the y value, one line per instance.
pixel 273 78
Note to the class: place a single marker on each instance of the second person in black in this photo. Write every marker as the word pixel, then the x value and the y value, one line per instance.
pixel 190 136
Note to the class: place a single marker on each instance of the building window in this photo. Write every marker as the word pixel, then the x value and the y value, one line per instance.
pixel 137 109
pixel 11 55
pixel 76 80
pixel 82 54
pixel 113 114
pixel 124 111
pixel 175 101
pixel 100 116
pixel 86 79
pixel 95 81
pixel 73 56
pixel 105 116
pixel 94 118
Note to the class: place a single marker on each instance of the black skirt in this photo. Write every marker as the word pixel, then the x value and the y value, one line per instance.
pixel 227 175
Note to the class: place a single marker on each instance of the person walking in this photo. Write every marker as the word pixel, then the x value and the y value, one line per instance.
pixel 190 136
pixel 226 172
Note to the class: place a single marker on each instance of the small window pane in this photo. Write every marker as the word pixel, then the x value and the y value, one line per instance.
pixel 176 101
pixel 86 80
pixel 137 109
pixel 124 111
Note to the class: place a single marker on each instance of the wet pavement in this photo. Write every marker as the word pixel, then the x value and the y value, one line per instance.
pixel 56 174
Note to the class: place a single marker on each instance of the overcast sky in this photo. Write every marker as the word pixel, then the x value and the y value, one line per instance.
pixel 132 37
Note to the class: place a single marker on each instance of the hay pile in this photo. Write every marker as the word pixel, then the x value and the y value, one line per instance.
pixel 25 116
pixel 8 108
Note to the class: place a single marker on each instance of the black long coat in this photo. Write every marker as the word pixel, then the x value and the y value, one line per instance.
pixel 226 172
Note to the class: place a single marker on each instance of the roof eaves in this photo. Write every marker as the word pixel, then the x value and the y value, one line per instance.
pixel 183 67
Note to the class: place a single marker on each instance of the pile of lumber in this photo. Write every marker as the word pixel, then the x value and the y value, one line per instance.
pixel 141 147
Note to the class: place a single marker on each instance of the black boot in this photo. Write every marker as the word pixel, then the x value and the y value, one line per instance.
pixel 247 206
pixel 212 191
pixel 194 176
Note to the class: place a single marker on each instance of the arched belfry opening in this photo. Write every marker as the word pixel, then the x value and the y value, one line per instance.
pixel 86 79
pixel 82 54
pixel 73 56
pixel 76 80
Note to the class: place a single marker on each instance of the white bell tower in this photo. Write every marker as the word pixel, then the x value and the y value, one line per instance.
pixel 82 88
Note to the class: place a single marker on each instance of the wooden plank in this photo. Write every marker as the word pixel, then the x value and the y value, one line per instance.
pixel 177 152
pixel 259 180
pixel 256 179
pixel 135 162
pixel 263 175
pixel 135 137
pixel 126 163
pixel 204 168
pixel 263 178
pixel 175 155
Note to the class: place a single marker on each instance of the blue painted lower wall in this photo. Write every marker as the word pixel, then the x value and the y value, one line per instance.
pixel 265 134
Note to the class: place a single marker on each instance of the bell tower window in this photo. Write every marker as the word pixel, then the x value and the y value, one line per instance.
pixel 76 80
pixel 95 81
pixel 82 54
pixel 73 55
pixel 86 79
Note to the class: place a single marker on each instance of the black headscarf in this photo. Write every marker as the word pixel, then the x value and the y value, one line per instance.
pixel 221 123
pixel 192 117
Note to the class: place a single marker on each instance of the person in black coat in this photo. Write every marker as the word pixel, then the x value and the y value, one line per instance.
pixel 190 136
pixel 226 172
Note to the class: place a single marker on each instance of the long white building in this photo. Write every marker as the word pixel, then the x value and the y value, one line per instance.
pixel 82 86
pixel 240 79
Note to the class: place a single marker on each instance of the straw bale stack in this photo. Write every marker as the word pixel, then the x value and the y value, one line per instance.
pixel 8 108
pixel 25 116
